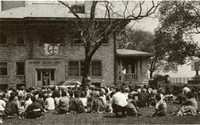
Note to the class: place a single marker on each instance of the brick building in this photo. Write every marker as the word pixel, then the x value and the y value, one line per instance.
pixel 39 46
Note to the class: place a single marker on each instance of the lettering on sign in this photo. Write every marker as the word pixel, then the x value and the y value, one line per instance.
pixel 52 63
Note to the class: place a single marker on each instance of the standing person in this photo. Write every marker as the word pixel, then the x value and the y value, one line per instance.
pixel 2 108
pixel 161 106
pixel 119 103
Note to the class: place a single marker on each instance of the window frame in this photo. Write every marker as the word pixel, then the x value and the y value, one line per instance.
pixel 80 68
pixel 17 68
pixel 101 69
pixel 6 43
pixel 7 66
pixel 69 68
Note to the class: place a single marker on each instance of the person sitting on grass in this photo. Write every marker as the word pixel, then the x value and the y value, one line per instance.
pixel 76 105
pixel 11 107
pixel 161 106
pixel 63 105
pixel 34 110
pixel 132 108
pixel 49 103
pixel 2 107
pixel 119 103
pixel 189 107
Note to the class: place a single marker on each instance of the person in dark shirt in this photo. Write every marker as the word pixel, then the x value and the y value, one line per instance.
pixel 35 109
pixel 11 107
pixel 63 106
pixel 143 98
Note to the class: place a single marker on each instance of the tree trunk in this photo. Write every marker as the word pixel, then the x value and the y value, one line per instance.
pixel 86 72
pixel 151 74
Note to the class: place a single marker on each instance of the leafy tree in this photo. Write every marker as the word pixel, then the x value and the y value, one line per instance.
pixel 94 32
pixel 179 20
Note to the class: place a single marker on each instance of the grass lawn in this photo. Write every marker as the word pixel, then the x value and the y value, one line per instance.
pixel 107 118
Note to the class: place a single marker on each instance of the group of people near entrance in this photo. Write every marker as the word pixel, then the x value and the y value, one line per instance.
pixel 123 101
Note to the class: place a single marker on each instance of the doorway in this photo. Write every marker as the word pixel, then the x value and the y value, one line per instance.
pixel 45 76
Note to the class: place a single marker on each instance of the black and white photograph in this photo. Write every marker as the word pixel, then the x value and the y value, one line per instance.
pixel 99 62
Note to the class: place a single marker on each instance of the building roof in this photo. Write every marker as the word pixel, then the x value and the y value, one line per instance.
pixel 133 53
pixel 49 11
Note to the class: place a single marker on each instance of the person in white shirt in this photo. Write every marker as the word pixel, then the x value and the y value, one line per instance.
pixel 27 101
pixel 119 102
pixel 49 103
pixel 185 90
pixel 2 108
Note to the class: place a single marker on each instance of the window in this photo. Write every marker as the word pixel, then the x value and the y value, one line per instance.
pixel 77 37
pixel 78 8
pixel 74 68
pixel 3 68
pixel 3 86
pixel 96 68
pixel 20 41
pixel 3 39
pixel 20 68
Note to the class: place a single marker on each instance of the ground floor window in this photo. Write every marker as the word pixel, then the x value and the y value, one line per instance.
pixel 3 68
pixel 76 68
pixel 3 86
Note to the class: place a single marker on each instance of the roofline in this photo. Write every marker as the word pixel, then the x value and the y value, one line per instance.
pixel 54 19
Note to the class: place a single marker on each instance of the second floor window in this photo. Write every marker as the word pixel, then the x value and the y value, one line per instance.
pixel 3 39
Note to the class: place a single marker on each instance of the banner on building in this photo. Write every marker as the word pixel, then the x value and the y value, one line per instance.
pixel 51 49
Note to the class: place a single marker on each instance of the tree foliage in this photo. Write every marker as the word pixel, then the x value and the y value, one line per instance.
pixel 178 21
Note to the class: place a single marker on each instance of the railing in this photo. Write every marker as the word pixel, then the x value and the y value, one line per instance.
pixel 127 77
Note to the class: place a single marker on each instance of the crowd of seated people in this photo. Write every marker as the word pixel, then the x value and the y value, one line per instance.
pixel 122 101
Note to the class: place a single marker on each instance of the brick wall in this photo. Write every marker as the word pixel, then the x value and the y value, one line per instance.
pixel 33 49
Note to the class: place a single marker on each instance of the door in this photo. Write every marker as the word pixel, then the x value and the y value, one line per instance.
pixel 45 77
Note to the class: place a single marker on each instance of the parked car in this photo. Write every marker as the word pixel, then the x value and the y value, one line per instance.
pixel 69 83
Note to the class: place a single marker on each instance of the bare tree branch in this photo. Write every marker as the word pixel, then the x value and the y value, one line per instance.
pixel 93 8
pixel 146 14
pixel 74 13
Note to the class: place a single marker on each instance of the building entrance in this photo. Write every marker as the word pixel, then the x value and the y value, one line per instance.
pixel 45 76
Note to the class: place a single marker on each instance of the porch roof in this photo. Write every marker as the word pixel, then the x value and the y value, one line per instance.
pixel 132 53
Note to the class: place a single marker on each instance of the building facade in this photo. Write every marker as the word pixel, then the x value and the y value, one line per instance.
pixel 39 46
